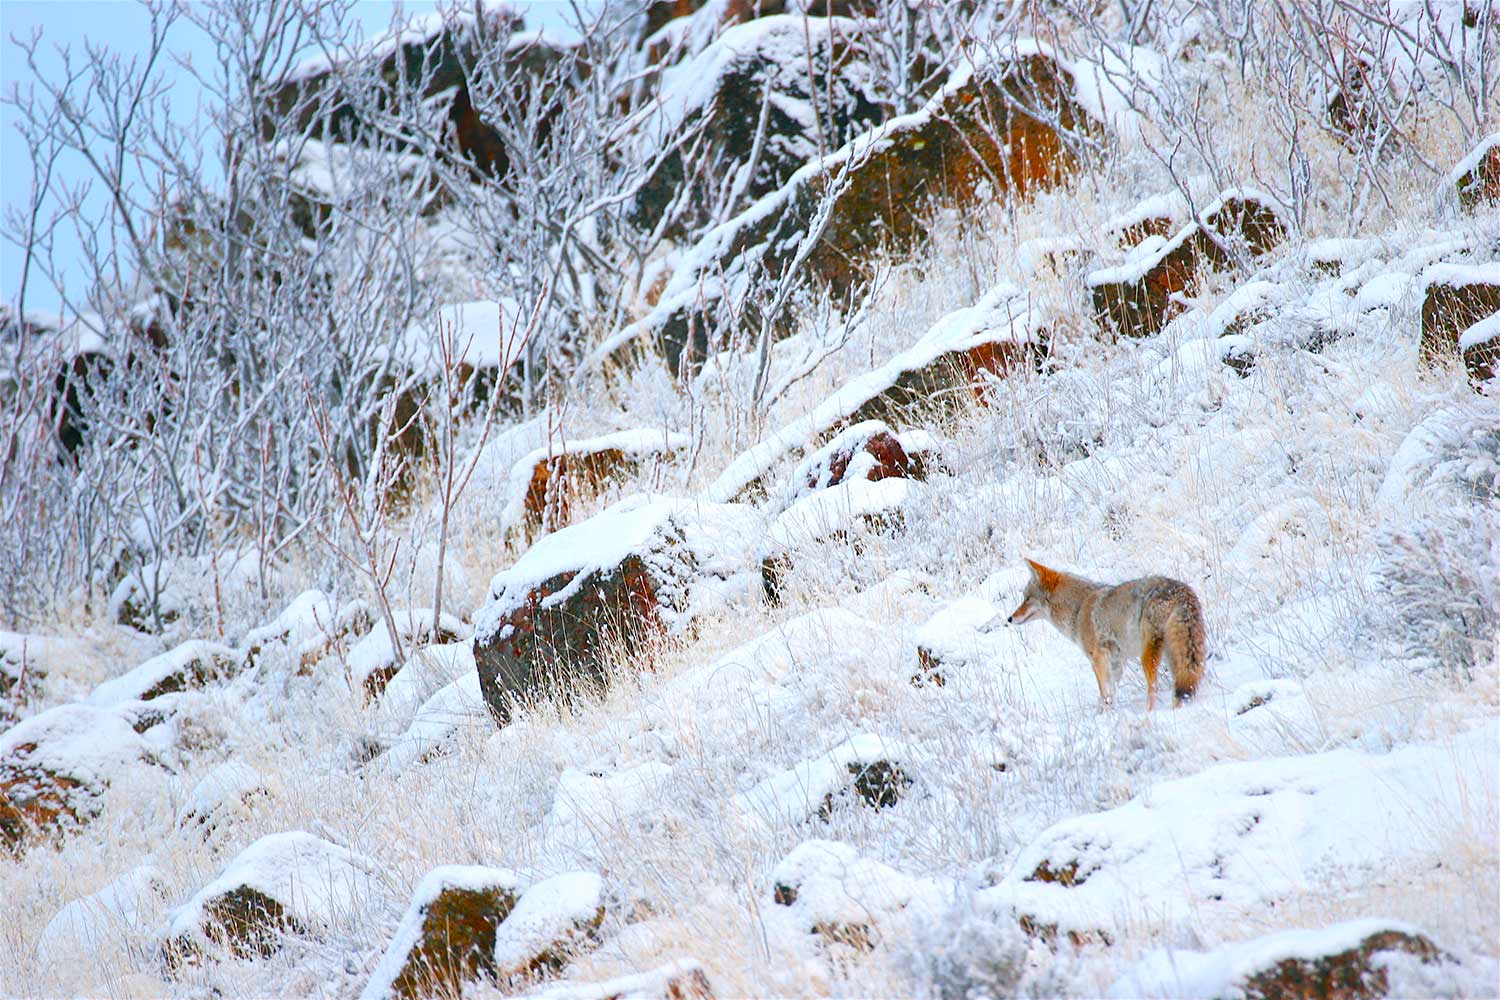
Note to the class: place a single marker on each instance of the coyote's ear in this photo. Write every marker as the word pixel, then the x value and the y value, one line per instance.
pixel 1048 578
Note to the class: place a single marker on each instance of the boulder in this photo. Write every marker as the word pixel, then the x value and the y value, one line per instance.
pixel 943 372
pixel 644 567
pixel 447 936
pixel 1344 961
pixel 1138 297
pixel 545 484
pixel 56 766
pixel 91 923
pixel 868 450
pixel 285 883
pixel 309 628
pixel 554 921
pixel 972 141
pixel 864 770
pixel 818 93
pixel 189 666
pixel 1477 176
pixel 1459 302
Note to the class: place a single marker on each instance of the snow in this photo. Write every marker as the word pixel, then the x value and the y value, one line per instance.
pixel 1471 160
pixel 487 334
pixel 552 912
pixel 1460 275
pixel 374 653
pixel 86 925
pixel 91 745
pixel 1484 332
pixel 316 883
pixel 471 878
pixel 819 514
pixel 586 805
pixel 1245 835
pixel 653 985
pixel 1118 86
pixel 426 671
pixel 223 790
pixel 1176 973
pixel 309 616
pixel 790 797
pixel 453 706
pixel 208 657
pixel 838 888
pixel 1383 291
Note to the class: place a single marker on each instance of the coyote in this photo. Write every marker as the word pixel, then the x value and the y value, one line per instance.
pixel 1112 622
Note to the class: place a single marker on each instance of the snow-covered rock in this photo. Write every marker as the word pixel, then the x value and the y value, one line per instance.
pixel 229 791
pixel 646 564
pixel 446 938
pixel 193 664
pixel 864 768
pixel 554 920
pixel 829 889
pixel 284 883
pixel 91 923
pixel 546 482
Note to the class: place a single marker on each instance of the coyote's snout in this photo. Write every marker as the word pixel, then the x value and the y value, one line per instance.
pixel 1142 617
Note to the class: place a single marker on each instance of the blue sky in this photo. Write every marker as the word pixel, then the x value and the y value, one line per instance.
pixel 123 26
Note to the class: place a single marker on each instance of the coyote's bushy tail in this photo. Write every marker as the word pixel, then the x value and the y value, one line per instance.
pixel 1185 642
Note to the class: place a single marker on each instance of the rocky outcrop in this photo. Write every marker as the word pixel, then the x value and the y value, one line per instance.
pixel 1476 179
pixel 447 937
pixel 942 373
pixel 285 883
pixel 545 484
pixel 997 131
pixel 827 889
pixel 1138 297
pixel 1347 961
pixel 56 766
pixel 1458 300
pixel 189 666
pixel 642 568
pixel 761 100
pixel 554 921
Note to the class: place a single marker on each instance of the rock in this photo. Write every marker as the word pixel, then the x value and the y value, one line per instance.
pixel 1477 176
pixel 373 662
pixel 864 770
pixel 433 725
pixel 231 789
pixel 545 484
pixel 56 766
pixel 309 627
pixel 1137 297
pixel 285 883
pixel 644 567
pixel 1154 216
pixel 683 979
pixel 818 92
pixel 1457 299
pixel 90 923
pixel 189 666
pixel 446 939
pixel 1340 962
pixel 868 450
pixel 829 890
pixel 24 662
pixel 945 371
pixel 970 141
pixel 554 920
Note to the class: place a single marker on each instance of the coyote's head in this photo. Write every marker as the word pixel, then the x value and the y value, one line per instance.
pixel 1036 599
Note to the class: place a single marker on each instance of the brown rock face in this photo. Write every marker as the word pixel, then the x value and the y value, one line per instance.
pixel 889 460
pixel 550 647
pixel 1481 183
pixel 457 942
pixel 1448 309
pixel 1346 975
pixel 559 481
pixel 1141 306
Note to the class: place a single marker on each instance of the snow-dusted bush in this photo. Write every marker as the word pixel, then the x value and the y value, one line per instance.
pixel 1441 569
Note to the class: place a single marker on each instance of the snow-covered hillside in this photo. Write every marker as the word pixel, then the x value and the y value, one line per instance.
pixel 719 699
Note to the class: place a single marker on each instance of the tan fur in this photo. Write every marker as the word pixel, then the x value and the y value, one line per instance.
pixel 1113 622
